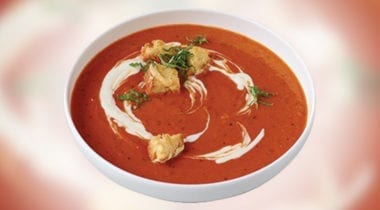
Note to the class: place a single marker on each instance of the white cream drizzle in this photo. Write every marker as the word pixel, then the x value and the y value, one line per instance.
pixel 126 119
pixel 129 112
pixel 114 78
pixel 241 79
pixel 235 151
pixel 112 81
pixel 172 44
pixel 195 136
pixel 195 87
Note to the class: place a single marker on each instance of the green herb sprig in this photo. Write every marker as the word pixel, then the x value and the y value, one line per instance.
pixel 135 97
pixel 197 40
pixel 258 94
pixel 143 67
pixel 177 57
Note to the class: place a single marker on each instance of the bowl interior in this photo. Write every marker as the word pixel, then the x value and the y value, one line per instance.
pixel 199 192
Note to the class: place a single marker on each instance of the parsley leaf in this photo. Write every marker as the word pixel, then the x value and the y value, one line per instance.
pixel 136 64
pixel 258 94
pixel 142 67
pixel 134 97
pixel 197 40
pixel 177 57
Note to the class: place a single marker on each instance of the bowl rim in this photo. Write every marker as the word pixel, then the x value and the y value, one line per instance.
pixel 86 148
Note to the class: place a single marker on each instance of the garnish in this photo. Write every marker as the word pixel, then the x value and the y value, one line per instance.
pixel 143 67
pixel 197 40
pixel 177 57
pixel 136 64
pixel 134 97
pixel 258 94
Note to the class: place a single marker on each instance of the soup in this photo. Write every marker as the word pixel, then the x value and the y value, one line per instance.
pixel 188 104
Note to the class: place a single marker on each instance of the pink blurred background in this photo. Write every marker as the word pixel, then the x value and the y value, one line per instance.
pixel 42 168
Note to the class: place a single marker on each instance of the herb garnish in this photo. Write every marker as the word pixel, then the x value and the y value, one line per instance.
pixel 177 57
pixel 258 94
pixel 134 97
pixel 197 40
pixel 143 67
pixel 137 64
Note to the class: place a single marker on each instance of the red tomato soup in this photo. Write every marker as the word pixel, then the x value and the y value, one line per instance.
pixel 216 104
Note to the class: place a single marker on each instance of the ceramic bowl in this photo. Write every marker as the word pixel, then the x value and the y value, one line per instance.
pixel 194 192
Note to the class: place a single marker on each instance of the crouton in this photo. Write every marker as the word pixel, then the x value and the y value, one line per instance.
pixel 164 147
pixel 151 51
pixel 198 60
pixel 161 79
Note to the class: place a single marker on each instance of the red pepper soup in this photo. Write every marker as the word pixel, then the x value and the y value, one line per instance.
pixel 188 104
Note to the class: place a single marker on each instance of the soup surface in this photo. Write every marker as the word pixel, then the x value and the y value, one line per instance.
pixel 240 112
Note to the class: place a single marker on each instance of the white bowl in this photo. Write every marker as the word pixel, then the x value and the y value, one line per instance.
pixel 194 192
